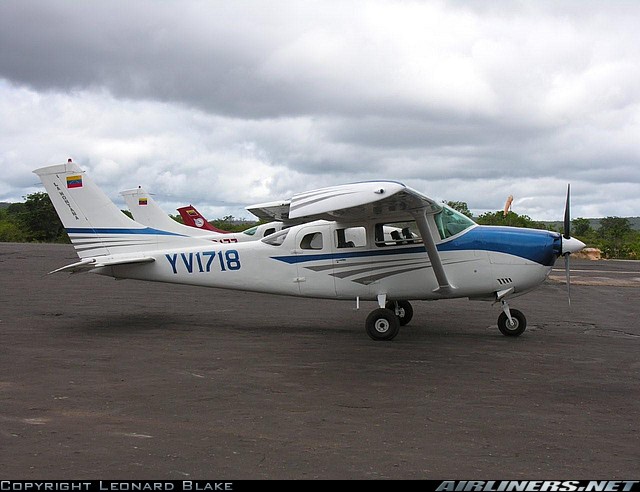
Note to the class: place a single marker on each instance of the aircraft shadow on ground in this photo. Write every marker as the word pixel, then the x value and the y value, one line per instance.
pixel 127 323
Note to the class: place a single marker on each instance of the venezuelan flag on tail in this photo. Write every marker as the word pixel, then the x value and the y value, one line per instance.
pixel 74 181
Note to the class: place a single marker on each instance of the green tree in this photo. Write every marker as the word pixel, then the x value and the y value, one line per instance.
pixel 38 219
pixel 614 227
pixel 511 219
pixel 615 234
pixel 177 218
pixel 10 231
pixel 461 207
pixel 581 227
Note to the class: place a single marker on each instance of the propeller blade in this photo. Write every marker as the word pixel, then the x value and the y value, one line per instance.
pixel 567 272
pixel 567 216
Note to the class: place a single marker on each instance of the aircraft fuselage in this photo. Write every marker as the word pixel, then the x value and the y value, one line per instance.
pixel 479 262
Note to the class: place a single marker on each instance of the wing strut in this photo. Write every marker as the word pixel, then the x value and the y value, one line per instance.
pixel 444 287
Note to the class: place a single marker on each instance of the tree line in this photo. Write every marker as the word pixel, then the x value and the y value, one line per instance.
pixel 35 220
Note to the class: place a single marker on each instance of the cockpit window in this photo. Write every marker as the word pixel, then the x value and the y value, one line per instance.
pixel 251 231
pixel 451 222
pixel 276 239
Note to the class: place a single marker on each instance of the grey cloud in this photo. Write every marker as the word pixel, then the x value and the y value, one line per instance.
pixel 472 97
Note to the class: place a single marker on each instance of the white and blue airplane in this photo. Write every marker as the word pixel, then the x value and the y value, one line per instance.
pixel 374 241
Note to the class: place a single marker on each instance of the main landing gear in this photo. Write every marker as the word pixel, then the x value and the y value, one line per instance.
pixel 384 323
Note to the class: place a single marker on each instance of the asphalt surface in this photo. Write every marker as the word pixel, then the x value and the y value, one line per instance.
pixel 106 379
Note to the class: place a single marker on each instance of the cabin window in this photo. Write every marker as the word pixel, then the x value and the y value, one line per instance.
pixel 451 222
pixel 251 231
pixel 311 241
pixel 269 231
pixel 351 237
pixel 397 234
pixel 276 239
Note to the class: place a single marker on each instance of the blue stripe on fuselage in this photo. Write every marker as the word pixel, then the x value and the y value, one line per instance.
pixel 539 246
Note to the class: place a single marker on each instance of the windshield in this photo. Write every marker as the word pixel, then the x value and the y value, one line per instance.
pixel 451 222
pixel 251 231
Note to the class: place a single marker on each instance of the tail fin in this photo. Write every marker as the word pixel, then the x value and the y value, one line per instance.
pixel 95 225
pixel 146 211
pixel 193 218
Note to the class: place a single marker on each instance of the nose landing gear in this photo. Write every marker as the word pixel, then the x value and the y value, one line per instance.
pixel 511 322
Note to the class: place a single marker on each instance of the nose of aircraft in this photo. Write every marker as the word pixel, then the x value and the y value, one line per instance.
pixel 571 245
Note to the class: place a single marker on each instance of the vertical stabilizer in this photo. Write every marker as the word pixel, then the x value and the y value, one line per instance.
pixel 192 218
pixel 95 225
pixel 146 211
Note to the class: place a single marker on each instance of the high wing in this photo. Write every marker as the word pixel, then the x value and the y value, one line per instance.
pixel 350 202
pixel 371 200
pixel 271 211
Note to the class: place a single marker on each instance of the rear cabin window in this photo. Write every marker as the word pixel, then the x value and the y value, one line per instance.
pixel 351 237
pixel 311 241
pixel 397 234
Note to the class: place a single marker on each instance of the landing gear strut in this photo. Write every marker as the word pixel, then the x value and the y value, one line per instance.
pixel 402 310
pixel 511 322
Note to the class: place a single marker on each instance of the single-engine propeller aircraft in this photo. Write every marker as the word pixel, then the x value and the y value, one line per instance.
pixel 377 241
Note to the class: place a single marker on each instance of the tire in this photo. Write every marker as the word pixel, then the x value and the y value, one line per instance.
pixel 405 311
pixel 518 327
pixel 382 324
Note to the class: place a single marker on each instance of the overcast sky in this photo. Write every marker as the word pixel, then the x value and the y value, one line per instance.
pixel 224 104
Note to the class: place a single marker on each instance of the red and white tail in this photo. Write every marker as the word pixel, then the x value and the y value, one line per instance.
pixel 193 218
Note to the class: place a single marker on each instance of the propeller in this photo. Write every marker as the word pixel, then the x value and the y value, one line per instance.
pixel 569 244
pixel 567 235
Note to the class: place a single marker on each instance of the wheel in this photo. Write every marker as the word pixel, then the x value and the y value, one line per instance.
pixel 382 324
pixel 404 311
pixel 512 329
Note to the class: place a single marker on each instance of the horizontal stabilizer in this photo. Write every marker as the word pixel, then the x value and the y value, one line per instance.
pixel 91 263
